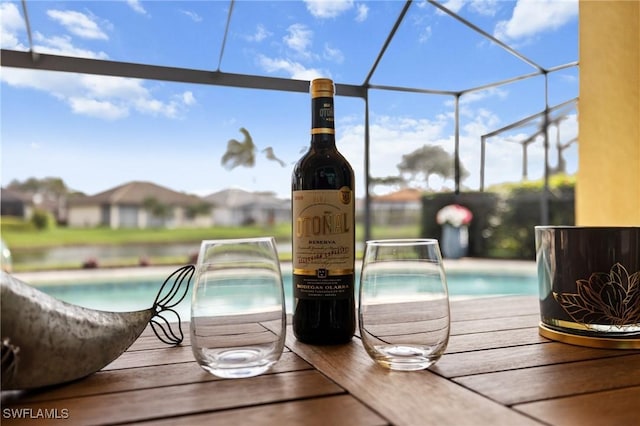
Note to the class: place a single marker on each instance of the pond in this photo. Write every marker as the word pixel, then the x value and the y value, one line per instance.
pixel 70 255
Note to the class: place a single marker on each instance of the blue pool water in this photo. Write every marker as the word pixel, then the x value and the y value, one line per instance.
pixel 137 294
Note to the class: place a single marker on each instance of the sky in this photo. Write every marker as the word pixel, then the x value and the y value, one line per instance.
pixel 97 132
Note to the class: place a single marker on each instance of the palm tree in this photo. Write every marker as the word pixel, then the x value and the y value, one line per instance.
pixel 243 153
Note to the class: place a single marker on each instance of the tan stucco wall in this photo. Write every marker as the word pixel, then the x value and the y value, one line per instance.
pixel 83 216
pixel 608 182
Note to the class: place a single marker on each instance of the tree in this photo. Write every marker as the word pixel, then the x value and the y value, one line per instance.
pixel 429 160
pixel 199 209
pixel 49 194
pixel 398 181
pixel 52 186
pixel 244 153
pixel 156 208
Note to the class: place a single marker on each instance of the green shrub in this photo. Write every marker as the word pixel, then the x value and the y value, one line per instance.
pixel 505 216
pixel 521 210
pixel 42 220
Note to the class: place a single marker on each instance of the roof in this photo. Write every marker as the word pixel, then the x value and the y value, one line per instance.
pixel 401 196
pixel 135 193
pixel 235 197
pixel 12 196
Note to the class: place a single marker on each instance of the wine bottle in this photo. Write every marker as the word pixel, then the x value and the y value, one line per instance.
pixel 323 231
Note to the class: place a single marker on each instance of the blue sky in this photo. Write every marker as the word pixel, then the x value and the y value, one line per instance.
pixel 97 132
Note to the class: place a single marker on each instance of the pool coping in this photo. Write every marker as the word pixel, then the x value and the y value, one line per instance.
pixel 57 277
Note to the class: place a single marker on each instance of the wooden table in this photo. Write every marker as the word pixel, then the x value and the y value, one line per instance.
pixel 497 371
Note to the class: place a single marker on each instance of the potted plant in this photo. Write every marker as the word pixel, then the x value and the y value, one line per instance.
pixel 455 220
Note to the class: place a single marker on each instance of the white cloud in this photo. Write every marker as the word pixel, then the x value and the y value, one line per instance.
pixel 482 121
pixel 104 97
pixel 531 17
pixel 293 69
pixel 194 16
pixel 137 6
pixel 391 137
pixel 481 7
pixel 328 8
pixel 154 107
pixel 112 87
pixel 331 54
pixel 259 35
pixel 78 24
pixel 188 98
pixel 394 136
pixel 298 38
pixel 11 17
pixel 484 7
pixel 481 95
pixel 11 22
pixel 362 12
pixel 454 5
pixel 63 45
pixel 425 35
pixel 96 108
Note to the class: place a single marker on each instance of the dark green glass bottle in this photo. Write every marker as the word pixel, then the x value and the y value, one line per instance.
pixel 323 232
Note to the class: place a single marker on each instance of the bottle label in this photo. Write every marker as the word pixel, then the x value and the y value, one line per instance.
pixel 323 238
pixel 322 119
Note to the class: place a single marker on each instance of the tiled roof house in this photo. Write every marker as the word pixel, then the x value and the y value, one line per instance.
pixel 14 203
pixel 237 207
pixel 397 208
pixel 127 206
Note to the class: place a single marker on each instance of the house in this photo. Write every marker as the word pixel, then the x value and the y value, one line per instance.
pixel 137 205
pixel 23 204
pixel 237 207
pixel 15 203
pixel 397 208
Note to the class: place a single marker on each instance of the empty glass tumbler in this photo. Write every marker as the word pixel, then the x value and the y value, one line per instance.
pixel 238 317
pixel 403 303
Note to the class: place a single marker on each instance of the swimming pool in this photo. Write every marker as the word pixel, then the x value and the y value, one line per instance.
pixel 135 293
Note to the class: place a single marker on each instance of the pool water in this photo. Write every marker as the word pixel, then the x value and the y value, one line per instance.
pixel 121 296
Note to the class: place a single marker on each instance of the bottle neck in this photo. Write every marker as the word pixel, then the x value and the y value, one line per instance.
pixel 322 123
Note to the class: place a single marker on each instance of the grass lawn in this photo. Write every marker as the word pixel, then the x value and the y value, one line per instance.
pixel 22 238
pixel 30 239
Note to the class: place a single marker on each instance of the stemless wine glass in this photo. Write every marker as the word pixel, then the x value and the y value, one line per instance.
pixel 238 317
pixel 403 303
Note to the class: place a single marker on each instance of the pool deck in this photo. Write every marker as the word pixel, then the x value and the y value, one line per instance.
pixel 98 274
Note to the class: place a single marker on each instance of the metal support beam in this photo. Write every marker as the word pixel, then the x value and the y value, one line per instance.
pixel 367 172
pixel 46 62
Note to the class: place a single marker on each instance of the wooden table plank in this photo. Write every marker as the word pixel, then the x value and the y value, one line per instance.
pixel 150 341
pixel 493 324
pixel 511 358
pixel 611 408
pixel 494 307
pixel 405 398
pixel 161 402
pixel 494 339
pixel 111 381
pixel 168 355
pixel 334 410
pixel 559 380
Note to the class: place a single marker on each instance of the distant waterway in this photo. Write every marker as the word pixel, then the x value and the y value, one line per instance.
pixel 67 255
